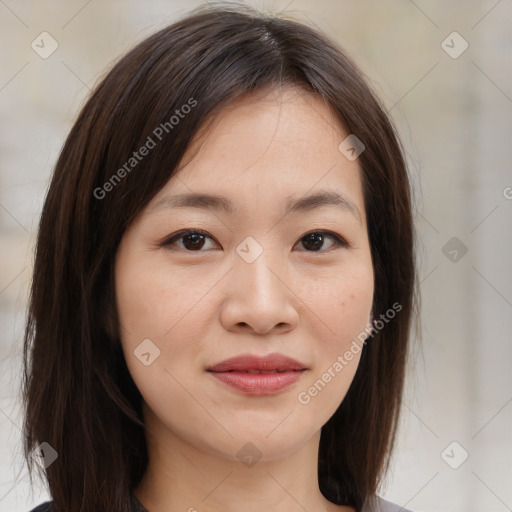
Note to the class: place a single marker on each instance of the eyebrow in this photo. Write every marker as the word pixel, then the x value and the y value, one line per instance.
pixel 293 205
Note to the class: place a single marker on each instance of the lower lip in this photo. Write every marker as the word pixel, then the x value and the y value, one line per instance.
pixel 259 383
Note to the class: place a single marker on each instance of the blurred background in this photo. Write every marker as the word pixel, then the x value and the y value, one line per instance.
pixel 444 72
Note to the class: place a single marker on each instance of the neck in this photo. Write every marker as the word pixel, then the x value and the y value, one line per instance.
pixel 183 477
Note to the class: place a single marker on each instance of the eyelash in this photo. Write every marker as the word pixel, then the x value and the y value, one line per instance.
pixel 339 241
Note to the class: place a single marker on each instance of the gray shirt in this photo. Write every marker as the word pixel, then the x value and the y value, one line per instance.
pixel 380 506
pixel 387 506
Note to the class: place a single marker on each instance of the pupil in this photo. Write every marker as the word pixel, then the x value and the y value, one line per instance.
pixel 197 241
pixel 316 239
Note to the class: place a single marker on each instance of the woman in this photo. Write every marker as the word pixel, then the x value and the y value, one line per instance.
pixel 224 280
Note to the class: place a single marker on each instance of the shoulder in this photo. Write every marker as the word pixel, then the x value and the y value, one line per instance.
pixel 47 506
pixel 382 505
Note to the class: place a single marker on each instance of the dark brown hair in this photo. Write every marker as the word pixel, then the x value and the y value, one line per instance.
pixel 78 394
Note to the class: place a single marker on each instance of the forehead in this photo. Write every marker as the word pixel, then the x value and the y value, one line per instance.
pixel 273 149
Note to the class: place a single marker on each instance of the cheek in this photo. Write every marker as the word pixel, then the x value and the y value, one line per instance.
pixel 155 300
pixel 340 306
pixel 321 395
pixel 342 310
pixel 165 307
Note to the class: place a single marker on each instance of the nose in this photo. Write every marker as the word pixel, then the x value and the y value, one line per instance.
pixel 260 298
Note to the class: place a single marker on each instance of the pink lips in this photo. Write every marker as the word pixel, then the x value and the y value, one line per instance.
pixel 255 375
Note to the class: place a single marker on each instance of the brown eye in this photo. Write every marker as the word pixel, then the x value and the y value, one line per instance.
pixel 314 241
pixel 194 240
pixel 191 240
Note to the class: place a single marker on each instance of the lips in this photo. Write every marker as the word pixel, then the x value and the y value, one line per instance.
pixel 253 375
pixel 273 363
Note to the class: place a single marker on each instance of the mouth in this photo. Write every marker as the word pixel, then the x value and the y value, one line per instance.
pixel 255 375
pixel 257 371
pixel 249 363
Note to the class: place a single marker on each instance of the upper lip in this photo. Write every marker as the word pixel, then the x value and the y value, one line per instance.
pixel 252 362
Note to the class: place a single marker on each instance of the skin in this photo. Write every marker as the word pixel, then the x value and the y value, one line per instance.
pixel 201 306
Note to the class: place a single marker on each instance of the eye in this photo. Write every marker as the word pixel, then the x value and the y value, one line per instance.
pixel 316 239
pixel 193 240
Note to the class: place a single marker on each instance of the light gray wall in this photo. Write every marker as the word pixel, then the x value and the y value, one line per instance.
pixel 455 118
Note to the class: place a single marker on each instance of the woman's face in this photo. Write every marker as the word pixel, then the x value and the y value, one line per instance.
pixel 250 283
